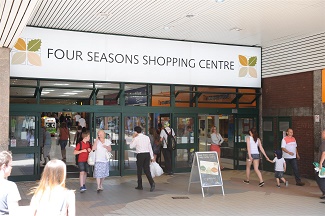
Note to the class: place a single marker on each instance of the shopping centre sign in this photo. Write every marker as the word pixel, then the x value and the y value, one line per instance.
pixel 58 54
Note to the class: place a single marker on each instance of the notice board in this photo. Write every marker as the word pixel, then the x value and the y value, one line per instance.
pixel 206 170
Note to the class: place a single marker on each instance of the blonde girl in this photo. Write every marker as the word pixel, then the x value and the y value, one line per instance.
pixel 51 197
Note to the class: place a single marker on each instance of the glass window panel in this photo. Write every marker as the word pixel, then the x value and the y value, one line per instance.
pixel 22 164
pixel 107 97
pixel 22 131
pixel 64 101
pixel 62 83
pixel 267 126
pixel 183 97
pixel 183 158
pixel 23 100
pixel 107 85
pixel 65 93
pixel 135 95
pixel 22 92
pixel 129 154
pixel 25 82
pixel 110 125
pixel 283 126
pixel 212 97
pixel 184 130
pixel 160 95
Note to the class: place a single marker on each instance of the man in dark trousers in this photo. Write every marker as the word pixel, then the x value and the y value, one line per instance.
pixel 143 148
pixel 321 181
pixel 167 152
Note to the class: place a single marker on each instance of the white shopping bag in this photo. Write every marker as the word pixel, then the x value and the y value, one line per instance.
pixel 155 169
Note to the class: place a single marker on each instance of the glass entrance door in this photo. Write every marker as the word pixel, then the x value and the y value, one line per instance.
pixel 110 124
pixel 225 126
pixel 187 142
pixel 242 126
pixel 24 145
pixel 129 155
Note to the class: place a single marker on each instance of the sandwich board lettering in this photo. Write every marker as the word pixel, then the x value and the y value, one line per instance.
pixel 206 170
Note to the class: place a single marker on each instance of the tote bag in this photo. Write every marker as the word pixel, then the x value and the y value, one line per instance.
pixel 91 158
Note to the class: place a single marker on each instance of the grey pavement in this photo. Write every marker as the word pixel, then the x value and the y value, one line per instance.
pixel 171 196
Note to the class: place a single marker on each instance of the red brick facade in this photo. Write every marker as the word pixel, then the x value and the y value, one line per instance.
pixel 292 96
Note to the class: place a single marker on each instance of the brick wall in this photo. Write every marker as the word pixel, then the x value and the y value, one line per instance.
pixel 303 131
pixel 284 94
pixel 295 90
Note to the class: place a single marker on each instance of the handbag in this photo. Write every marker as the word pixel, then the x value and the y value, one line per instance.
pixel 321 173
pixel 108 155
pixel 91 158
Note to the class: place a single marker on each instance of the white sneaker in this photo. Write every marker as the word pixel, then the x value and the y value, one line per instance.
pixel 286 183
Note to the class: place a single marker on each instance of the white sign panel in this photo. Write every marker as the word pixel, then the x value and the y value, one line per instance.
pixel 57 54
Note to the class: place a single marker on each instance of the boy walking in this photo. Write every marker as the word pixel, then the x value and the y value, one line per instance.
pixel 82 150
pixel 280 167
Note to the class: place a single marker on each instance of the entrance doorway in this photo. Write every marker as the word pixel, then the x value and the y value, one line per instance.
pixel 225 126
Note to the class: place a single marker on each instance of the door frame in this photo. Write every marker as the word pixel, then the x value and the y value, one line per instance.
pixel 28 150
pixel 114 147
pixel 186 146
pixel 240 147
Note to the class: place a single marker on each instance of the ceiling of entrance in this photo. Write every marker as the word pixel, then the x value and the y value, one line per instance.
pixel 245 22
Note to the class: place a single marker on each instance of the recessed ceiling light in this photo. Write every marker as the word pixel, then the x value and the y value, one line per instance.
pixel 220 1
pixel 103 14
pixel 236 29
pixel 61 84
pixel 70 93
pixel 190 15
pixel 166 28
pixel 77 91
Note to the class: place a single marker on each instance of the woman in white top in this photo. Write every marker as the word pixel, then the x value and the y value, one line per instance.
pixel 253 155
pixel 216 141
pixel 51 197
pixel 101 145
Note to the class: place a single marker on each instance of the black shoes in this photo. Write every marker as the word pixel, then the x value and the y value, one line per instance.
pixel 300 184
pixel 152 188
pixel 139 188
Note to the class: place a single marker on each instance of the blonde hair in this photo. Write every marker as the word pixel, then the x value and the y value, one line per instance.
pixel 101 131
pixel 5 158
pixel 54 174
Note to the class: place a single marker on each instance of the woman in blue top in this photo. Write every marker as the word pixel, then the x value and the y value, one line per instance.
pixel 253 155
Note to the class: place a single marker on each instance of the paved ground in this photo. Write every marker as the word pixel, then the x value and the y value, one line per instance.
pixel 120 198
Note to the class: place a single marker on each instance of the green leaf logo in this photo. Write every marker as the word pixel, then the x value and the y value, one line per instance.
pixel 31 52
pixel 247 66
pixel 252 61
pixel 34 45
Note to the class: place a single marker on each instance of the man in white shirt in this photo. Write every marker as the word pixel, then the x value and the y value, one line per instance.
pixel 82 122
pixel 144 152
pixel 77 117
pixel 166 152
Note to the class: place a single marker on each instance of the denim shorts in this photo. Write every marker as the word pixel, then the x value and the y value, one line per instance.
pixel 254 156
pixel 63 144
pixel 83 166
pixel 278 174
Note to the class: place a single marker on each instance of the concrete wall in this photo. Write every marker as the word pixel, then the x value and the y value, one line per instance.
pixel 4 97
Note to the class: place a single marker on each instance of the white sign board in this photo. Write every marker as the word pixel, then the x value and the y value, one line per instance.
pixel 206 170
pixel 58 54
